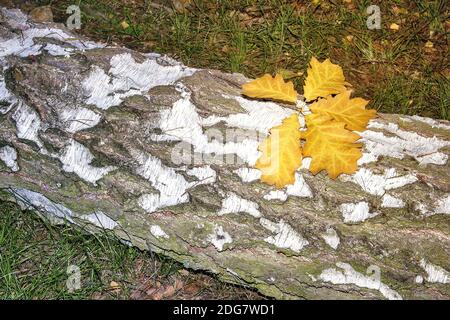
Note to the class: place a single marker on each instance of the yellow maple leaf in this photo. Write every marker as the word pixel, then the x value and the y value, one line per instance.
pixel 341 108
pixel 330 146
pixel 267 87
pixel 124 24
pixel 324 78
pixel 281 153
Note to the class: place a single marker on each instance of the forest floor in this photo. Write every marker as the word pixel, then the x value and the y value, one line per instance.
pixel 401 68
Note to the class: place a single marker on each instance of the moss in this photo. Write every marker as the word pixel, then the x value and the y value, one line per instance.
pixel 5 195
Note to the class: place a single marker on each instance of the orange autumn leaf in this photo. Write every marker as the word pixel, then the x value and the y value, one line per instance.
pixel 331 147
pixel 323 79
pixel 274 88
pixel 281 153
pixel 341 108
pixel 329 137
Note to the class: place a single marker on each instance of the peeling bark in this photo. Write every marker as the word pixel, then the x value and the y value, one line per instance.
pixel 112 139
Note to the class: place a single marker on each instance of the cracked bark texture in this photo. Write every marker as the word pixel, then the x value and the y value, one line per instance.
pixel 105 161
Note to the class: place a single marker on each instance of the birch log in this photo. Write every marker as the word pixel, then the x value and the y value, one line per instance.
pixel 161 156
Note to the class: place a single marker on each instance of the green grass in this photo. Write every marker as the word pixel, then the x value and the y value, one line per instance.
pixel 393 69
pixel 35 256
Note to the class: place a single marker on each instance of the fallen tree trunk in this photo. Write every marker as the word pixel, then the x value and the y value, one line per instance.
pixel 161 156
